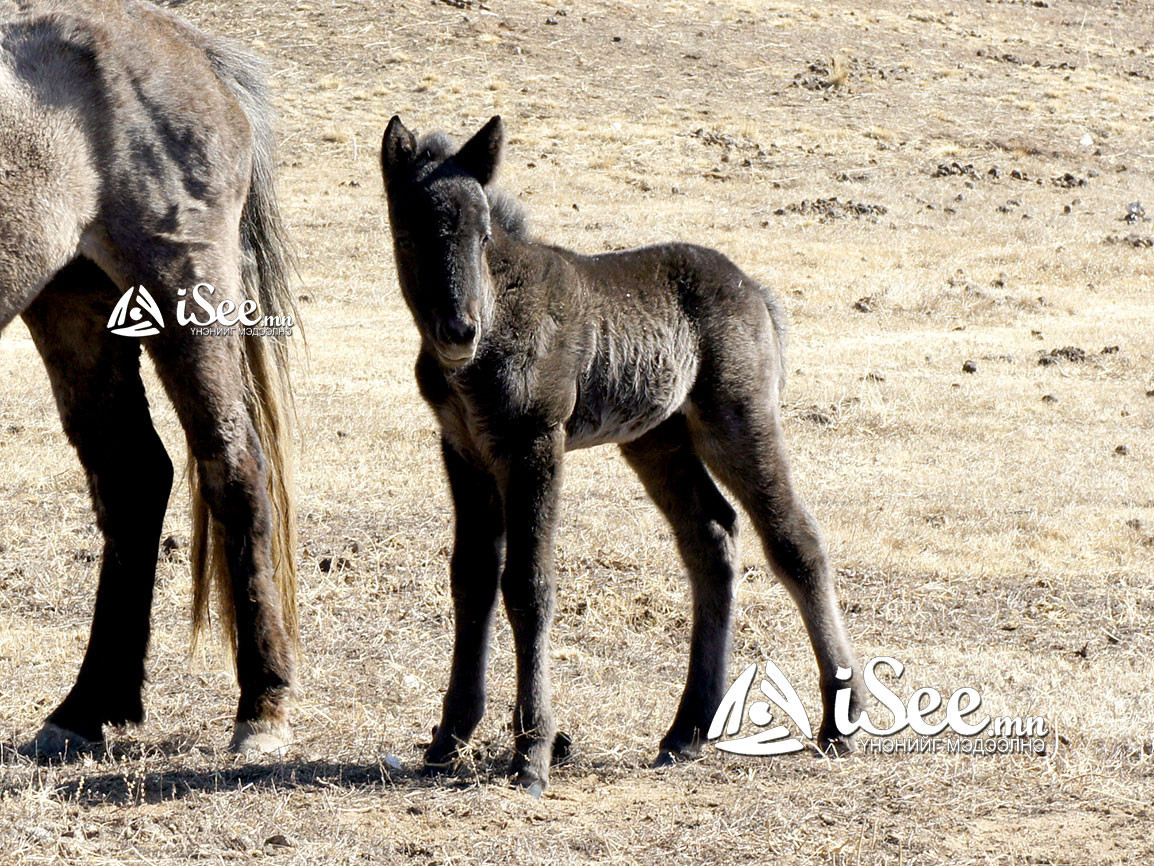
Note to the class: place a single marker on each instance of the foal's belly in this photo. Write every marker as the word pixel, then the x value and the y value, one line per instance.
pixel 628 388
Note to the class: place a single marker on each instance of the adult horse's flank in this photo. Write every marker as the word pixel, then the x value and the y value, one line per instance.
pixel 530 350
pixel 136 151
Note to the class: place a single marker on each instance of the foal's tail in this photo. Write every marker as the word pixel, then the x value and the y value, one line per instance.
pixel 265 362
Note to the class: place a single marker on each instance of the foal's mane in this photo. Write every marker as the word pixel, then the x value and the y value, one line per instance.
pixel 436 147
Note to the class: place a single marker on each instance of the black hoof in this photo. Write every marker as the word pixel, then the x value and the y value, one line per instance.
pixel 53 743
pixel 835 745
pixel 669 757
pixel 531 783
pixel 562 748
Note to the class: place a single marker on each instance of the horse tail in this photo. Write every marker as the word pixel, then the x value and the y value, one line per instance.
pixel 780 334
pixel 267 266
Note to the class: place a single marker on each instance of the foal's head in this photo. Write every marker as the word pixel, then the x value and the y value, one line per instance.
pixel 440 218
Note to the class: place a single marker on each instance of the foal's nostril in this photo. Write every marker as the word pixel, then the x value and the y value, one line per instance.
pixel 457 331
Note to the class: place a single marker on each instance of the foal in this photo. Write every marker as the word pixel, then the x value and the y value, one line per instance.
pixel 530 350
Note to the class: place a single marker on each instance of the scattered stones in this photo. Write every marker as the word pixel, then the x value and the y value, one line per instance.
pixel 1067 353
pixel 1134 240
pixel 955 169
pixel 170 546
pixel 864 305
pixel 1049 398
pixel 874 377
pixel 751 150
pixel 828 209
pixel 1068 181
pixel 820 76
pixel 1122 450
pixel 969 367
pixel 817 415
pixel 1134 212
pixel 278 844
pixel 330 564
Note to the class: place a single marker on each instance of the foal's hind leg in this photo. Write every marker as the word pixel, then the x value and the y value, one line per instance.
pixel 96 380
pixel 742 442
pixel 705 526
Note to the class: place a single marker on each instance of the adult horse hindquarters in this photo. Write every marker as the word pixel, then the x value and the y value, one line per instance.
pixel 136 151
pixel 530 350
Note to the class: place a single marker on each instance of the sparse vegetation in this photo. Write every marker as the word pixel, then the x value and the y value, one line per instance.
pixel 987 529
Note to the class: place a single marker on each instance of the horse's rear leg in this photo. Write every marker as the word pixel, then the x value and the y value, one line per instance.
pixel 96 380
pixel 743 444
pixel 204 379
pixel 705 526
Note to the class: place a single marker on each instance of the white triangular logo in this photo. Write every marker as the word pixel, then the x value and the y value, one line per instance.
pixel 136 314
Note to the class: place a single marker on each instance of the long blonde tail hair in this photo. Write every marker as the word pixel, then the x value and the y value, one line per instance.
pixel 268 391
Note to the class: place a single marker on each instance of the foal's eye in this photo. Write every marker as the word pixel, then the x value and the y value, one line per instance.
pixel 485 239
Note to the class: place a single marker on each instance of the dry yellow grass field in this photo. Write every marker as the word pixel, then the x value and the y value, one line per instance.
pixel 992 529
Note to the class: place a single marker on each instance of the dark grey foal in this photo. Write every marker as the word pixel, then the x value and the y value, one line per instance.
pixel 529 351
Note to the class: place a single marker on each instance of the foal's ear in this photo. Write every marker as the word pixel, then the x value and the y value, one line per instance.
pixel 397 148
pixel 481 154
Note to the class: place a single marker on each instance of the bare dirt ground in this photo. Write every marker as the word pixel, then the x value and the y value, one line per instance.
pixel 926 185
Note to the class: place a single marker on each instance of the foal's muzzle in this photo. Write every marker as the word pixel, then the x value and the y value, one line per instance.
pixel 456 339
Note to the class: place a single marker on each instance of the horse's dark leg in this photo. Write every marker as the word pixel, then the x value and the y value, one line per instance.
pixel 202 375
pixel 705 526
pixel 475 572
pixel 532 485
pixel 741 441
pixel 95 377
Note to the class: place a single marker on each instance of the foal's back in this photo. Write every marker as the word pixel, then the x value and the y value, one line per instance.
pixel 658 328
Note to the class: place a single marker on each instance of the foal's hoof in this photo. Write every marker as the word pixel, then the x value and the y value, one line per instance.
pixel 562 748
pixel 54 743
pixel 532 783
pixel 669 757
pixel 253 739
pixel 835 745
pixel 434 769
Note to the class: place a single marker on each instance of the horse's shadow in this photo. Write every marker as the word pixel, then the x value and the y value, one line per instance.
pixel 116 779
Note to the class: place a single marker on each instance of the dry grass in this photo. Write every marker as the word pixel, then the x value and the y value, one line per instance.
pixel 983 536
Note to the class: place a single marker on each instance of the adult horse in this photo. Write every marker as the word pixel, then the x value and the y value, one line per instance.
pixel 529 350
pixel 136 151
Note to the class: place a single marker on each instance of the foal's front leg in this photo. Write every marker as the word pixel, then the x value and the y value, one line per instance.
pixel 532 488
pixel 475 572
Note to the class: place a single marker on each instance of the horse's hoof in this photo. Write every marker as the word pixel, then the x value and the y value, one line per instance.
pixel 254 739
pixel 54 743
